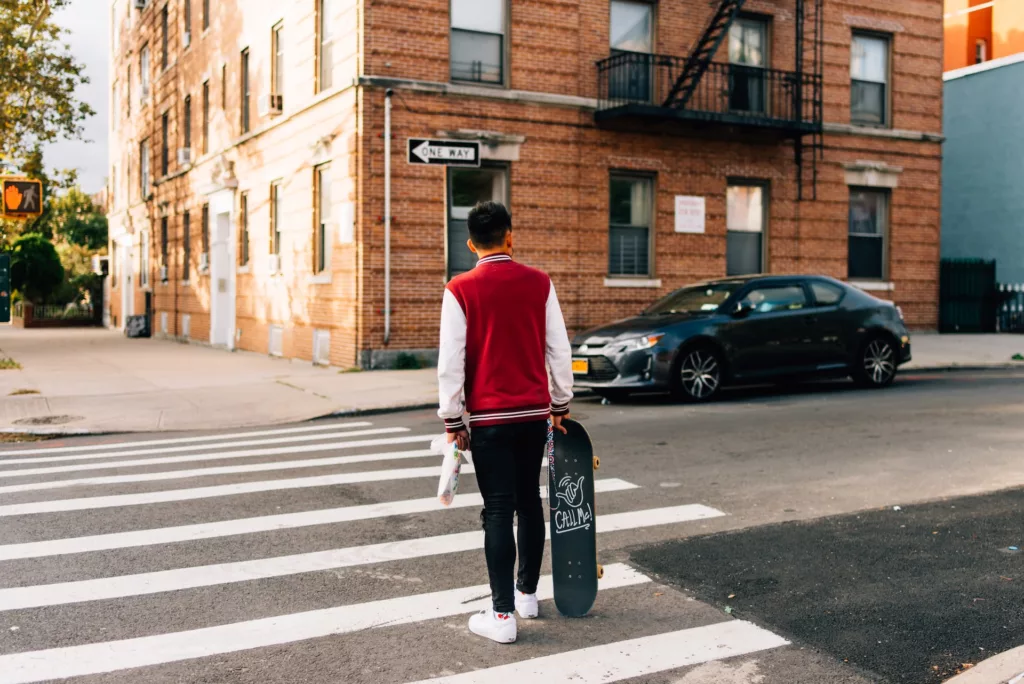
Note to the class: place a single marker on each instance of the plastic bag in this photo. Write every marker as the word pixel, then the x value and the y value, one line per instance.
pixel 451 466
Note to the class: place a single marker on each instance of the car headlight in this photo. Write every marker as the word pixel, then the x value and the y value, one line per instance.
pixel 638 343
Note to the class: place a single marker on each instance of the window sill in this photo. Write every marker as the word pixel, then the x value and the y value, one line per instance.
pixel 633 282
pixel 481 84
pixel 242 270
pixel 872 285
pixel 322 278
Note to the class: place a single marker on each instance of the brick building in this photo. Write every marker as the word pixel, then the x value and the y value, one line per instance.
pixel 248 188
pixel 978 31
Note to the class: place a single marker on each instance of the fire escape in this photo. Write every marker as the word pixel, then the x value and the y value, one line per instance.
pixel 698 94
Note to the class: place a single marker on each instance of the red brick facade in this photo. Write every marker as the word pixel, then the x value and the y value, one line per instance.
pixel 558 186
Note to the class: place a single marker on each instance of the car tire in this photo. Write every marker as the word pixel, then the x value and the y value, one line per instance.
pixel 698 374
pixel 876 363
pixel 613 395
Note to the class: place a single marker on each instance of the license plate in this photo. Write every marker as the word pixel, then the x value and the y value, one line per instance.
pixel 581 366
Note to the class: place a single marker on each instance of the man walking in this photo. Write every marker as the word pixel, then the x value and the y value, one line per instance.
pixel 501 333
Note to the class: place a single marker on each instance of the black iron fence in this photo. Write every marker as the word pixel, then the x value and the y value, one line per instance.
pixel 730 92
pixel 972 301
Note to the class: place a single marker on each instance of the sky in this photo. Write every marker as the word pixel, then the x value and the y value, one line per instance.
pixel 88 21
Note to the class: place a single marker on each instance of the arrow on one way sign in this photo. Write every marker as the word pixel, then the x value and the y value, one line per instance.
pixel 444 152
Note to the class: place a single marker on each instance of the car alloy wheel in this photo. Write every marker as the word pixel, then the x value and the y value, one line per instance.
pixel 700 374
pixel 879 362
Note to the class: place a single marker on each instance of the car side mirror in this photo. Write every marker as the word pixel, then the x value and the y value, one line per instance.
pixel 743 309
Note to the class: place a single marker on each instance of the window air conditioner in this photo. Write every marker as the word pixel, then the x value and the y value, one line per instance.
pixel 274 263
pixel 140 4
pixel 204 262
pixel 184 156
pixel 270 105
pixel 163 274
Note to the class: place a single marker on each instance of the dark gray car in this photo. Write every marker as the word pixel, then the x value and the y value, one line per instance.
pixel 699 338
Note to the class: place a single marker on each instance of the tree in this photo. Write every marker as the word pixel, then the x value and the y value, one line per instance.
pixel 38 78
pixel 78 221
pixel 36 270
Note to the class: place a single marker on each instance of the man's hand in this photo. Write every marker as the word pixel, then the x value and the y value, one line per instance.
pixel 556 421
pixel 461 439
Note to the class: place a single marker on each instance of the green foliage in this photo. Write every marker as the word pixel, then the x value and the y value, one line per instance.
pixel 35 267
pixel 38 78
pixel 32 166
pixel 77 221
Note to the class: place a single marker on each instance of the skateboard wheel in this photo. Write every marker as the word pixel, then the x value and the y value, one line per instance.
pixel 597 462
pixel 600 571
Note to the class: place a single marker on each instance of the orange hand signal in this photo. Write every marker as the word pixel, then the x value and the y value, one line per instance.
pixel 12 197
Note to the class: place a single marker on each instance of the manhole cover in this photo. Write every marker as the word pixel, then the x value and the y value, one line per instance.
pixel 47 420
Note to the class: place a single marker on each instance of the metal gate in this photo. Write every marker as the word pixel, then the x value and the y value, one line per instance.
pixel 1010 316
pixel 968 296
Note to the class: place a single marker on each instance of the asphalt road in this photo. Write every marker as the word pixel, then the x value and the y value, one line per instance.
pixel 315 553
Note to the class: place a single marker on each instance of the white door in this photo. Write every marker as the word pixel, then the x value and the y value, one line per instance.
pixel 222 283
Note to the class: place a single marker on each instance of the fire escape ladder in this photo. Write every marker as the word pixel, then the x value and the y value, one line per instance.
pixel 702 54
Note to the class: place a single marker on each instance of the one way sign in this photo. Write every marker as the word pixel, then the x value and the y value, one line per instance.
pixel 444 152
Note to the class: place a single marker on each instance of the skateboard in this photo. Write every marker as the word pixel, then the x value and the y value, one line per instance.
pixel 574 568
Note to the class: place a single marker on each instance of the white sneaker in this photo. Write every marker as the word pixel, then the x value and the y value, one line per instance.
pixel 526 605
pixel 500 627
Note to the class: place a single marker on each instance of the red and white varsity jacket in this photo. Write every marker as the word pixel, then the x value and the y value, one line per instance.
pixel 501 332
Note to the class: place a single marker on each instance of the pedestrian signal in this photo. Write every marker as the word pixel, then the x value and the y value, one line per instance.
pixel 21 198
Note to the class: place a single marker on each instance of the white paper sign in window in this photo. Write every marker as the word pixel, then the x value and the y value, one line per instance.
pixel 689 214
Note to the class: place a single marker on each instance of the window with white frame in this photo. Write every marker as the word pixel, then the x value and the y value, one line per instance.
pixel 144 259
pixel 631 212
pixel 869 79
pixel 321 231
pixel 325 45
pixel 980 50
pixel 144 74
pixel 277 66
pixel 276 209
pixel 745 222
pixel 144 178
pixel 466 188
pixel 868 234
pixel 478 41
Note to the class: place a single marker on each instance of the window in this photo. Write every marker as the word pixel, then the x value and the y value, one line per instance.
pixel 325 55
pixel 144 259
pixel 980 51
pixel 632 39
pixel 115 107
pixel 467 187
pixel 115 30
pixel 869 74
pixel 478 41
pixel 163 242
pixel 748 59
pixel 771 299
pixel 206 14
pixel 144 74
pixel 186 246
pixel 322 204
pixel 275 218
pixel 631 205
pixel 144 179
pixel 206 117
pixel 164 38
pixel 277 69
pixel 243 233
pixel 204 236
pixel 187 123
pixel 826 294
pixel 244 92
pixel 223 86
pixel 128 91
pixel 186 12
pixel 165 152
pixel 745 219
pixel 868 224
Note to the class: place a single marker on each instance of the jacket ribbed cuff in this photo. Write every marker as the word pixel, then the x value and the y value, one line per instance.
pixel 454 425
pixel 559 409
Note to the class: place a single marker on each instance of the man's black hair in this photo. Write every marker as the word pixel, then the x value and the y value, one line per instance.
pixel 488 224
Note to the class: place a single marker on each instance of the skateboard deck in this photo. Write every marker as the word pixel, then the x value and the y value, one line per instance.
pixel 574 568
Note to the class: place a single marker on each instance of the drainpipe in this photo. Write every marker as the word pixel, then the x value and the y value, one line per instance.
pixel 387 216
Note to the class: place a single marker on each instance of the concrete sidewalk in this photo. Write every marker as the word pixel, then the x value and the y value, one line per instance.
pixel 93 380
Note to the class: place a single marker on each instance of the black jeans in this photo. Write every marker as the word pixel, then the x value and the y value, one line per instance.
pixel 508 463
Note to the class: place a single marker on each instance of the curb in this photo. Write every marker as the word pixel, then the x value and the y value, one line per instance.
pixel 1004 668
pixel 955 368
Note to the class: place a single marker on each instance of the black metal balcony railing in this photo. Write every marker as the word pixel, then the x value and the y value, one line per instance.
pixel 632 83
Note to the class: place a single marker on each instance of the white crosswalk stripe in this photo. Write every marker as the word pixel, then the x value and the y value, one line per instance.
pixel 80 566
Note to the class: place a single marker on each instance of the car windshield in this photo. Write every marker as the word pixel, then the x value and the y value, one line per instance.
pixel 700 298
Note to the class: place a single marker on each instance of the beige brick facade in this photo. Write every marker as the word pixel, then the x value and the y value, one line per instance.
pixel 558 163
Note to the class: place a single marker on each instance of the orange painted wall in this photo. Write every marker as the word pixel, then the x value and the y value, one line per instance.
pixel 1001 26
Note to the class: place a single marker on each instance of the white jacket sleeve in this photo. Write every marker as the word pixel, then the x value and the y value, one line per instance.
pixel 451 363
pixel 558 356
